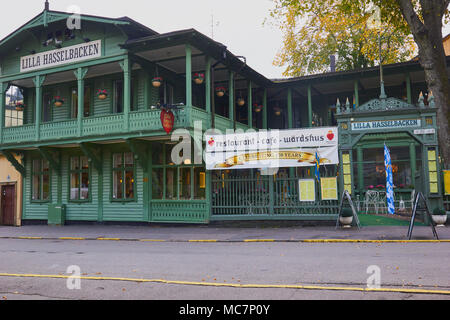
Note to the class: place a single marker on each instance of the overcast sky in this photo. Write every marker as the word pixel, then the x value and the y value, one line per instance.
pixel 238 23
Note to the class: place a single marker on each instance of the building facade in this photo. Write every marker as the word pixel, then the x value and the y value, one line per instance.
pixel 91 108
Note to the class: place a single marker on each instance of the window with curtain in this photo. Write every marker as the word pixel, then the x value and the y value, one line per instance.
pixel 123 177
pixel 41 180
pixel 79 179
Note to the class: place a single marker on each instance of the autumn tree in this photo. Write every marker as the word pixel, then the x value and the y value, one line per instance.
pixel 315 30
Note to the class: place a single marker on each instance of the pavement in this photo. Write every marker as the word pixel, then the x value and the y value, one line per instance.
pixel 214 233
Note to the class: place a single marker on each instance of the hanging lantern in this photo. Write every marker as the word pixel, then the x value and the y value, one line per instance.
pixel 58 101
pixel 157 82
pixel 258 108
pixel 167 120
pixel 278 111
pixel 241 102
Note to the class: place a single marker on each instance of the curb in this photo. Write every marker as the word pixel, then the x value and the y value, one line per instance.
pixel 318 241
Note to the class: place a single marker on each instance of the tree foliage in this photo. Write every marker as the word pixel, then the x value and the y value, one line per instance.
pixel 314 30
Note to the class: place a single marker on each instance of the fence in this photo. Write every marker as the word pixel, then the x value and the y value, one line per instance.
pixel 265 196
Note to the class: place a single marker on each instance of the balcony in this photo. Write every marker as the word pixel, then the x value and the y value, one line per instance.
pixel 107 126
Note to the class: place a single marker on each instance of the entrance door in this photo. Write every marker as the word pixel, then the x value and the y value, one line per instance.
pixel 7 206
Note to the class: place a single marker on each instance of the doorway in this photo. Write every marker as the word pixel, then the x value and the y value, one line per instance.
pixel 8 199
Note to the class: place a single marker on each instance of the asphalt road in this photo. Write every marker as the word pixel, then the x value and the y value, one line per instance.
pixel 416 266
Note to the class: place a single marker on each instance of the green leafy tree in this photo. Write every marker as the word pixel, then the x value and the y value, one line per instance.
pixel 317 28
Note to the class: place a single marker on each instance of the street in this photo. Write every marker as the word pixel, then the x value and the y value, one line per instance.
pixel 198 271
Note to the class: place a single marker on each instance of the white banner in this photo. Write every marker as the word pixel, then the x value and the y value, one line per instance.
pixel 284 158
pixel 273 140
pixel 53 58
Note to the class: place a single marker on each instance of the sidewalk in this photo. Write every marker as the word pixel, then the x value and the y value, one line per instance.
pixel 218 234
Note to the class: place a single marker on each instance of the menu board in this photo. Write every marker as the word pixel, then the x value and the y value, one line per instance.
pixel 307 190
pixel 329 188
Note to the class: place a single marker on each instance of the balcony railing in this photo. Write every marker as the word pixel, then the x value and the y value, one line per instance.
pixel 148 121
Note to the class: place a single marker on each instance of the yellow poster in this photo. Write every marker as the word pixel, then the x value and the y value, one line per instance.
pixel 307 190
pixel 347 169
pixel 329 188
pixel 447 182
pixel 433 177
pixel 346 158
pixel 432 166
pixel 347 179
pixel 432 155
pixel 434 188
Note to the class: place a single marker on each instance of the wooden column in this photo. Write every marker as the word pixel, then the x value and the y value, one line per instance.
pixel 310 107
pixel 188 75
pixel 290 110
pixel 231 96
pixel 356 94
pixel 208 84
pixel 408 88
pixel 360 159
pixel 412 156
pixel 250 104
pixel 80 75
pixel 3 87
pixel 126 92
pixel 38 82
pixel 265 111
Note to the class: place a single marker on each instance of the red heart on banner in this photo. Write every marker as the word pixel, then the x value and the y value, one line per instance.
pixel 330 135
pixel 167 120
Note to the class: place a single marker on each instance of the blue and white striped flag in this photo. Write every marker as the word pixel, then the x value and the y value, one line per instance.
pixel 389 181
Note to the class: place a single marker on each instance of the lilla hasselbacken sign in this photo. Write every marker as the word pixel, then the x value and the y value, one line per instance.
pixel 386 124
pixel 53 58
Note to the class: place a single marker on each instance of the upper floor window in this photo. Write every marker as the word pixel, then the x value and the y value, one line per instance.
pixel 119 96
pixel 87 102
pixel 14 107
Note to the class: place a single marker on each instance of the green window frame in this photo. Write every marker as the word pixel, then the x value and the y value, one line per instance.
pixel 123 178
pixel 79 179
pixel 40 181
pixel 174 183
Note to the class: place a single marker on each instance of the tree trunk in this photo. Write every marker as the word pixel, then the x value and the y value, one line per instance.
pixel 428 36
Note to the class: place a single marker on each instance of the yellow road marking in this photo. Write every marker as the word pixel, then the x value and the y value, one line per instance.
pixel 71 238
pixel 232 285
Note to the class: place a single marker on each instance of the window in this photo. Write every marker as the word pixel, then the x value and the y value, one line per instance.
pixel 123 177
pixel 119 97
pixel 79 179
pixel 41 180
pixel 87 102
pixel 13 115
pixel 166 94
pixel 170 182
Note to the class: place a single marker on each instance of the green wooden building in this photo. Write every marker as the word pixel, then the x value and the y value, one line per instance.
pixel 101 158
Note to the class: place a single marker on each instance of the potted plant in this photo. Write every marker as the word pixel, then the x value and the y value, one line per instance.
pixel 439 217
pixel 258 108
pixel 157 82
pixel 20 106
pixel 220 91
pixel 58 101
pixel 346 218
pixel 199 78
pixel 102 94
